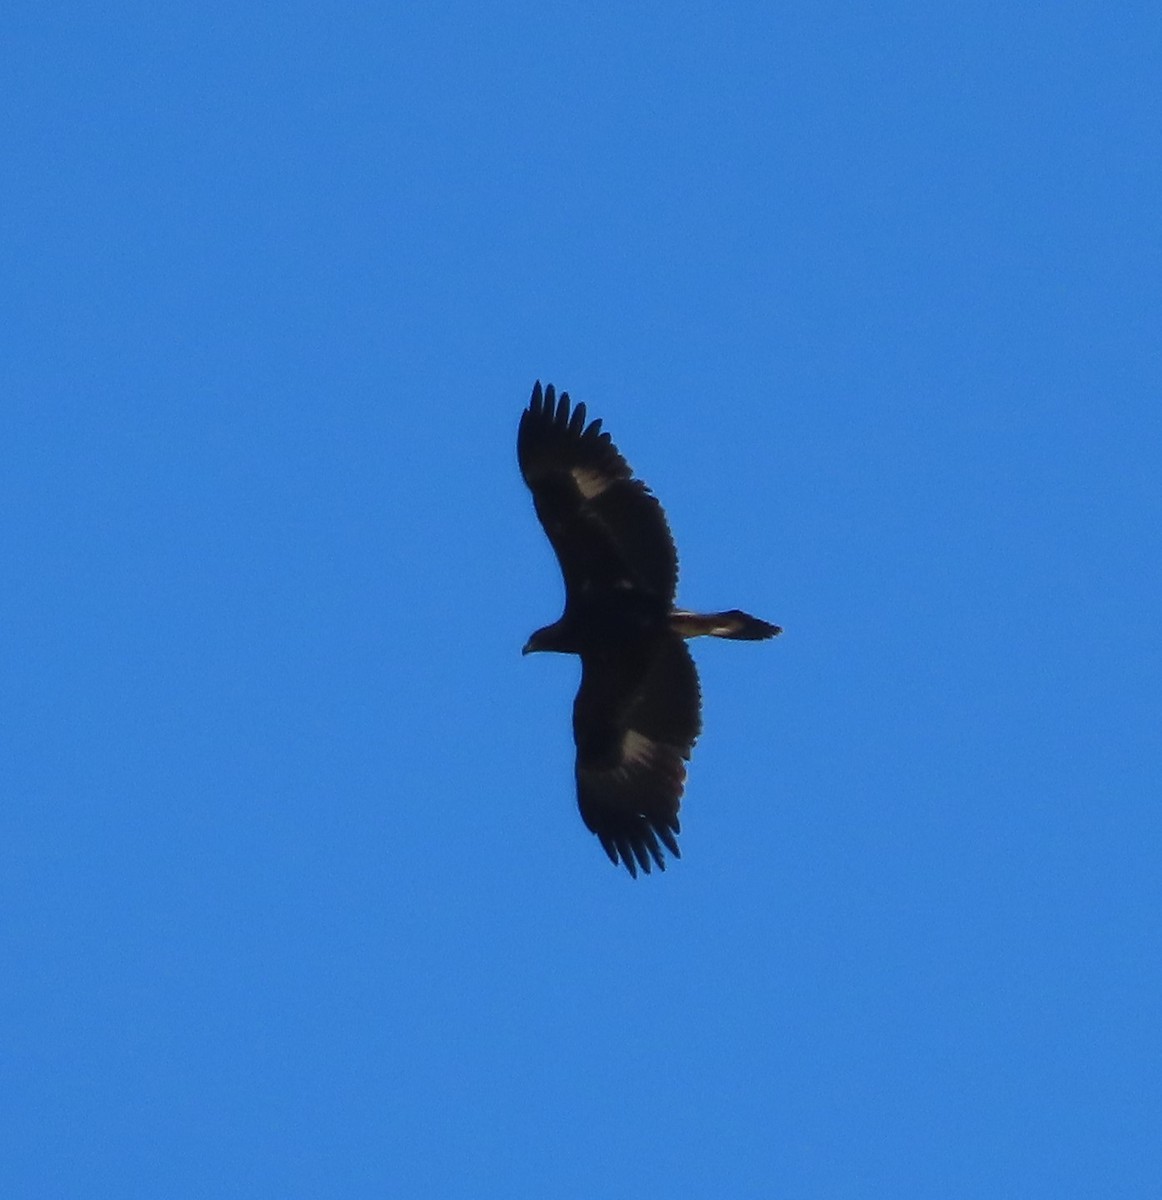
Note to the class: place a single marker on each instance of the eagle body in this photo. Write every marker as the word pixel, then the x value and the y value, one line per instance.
pixel 638 711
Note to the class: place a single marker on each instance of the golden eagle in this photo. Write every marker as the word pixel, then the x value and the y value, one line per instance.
pixel 638 710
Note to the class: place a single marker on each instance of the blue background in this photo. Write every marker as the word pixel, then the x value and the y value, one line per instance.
pixel 294 897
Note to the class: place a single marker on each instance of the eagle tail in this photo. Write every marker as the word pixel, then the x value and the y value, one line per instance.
pixel 734 624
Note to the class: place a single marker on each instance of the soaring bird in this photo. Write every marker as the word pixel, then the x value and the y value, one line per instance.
pixel 638 711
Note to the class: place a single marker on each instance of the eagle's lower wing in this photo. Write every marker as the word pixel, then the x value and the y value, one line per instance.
pixel 607 528
pixel 635 720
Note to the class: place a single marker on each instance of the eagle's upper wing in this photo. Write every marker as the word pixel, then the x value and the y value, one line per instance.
pixel 607 528
pixel 635 720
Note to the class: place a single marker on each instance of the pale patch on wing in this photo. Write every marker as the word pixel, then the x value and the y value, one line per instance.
pixel 641 754
pixel 589 483
pixel 637 748
pixel 633 806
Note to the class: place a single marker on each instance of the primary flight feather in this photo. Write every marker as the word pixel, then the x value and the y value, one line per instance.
pixel 638 711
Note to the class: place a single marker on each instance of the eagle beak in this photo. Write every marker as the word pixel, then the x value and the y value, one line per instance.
pixel 527 648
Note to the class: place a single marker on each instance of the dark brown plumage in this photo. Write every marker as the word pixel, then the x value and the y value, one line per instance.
pixel 638 711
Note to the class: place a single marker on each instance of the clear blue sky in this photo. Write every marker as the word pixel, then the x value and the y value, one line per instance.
pixel 294 897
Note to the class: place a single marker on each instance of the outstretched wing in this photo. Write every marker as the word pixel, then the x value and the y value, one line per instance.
pixel 607 528
pixel 635 721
